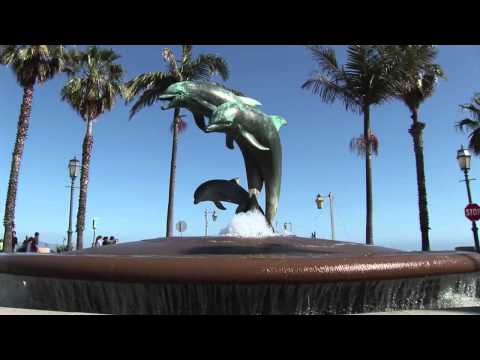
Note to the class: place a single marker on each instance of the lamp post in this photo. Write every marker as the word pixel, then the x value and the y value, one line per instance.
pixel 463 158
pixel 73 168
pixel 214 218
pixel 319 201
pixel 285 226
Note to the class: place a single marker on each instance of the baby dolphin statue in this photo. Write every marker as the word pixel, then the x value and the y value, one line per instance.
pixel 226 190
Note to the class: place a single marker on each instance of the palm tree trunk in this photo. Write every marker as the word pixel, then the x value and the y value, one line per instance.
pixel 22 129
pixel 173 171
pixel 82 202
pixel 368 176
pixel 416 130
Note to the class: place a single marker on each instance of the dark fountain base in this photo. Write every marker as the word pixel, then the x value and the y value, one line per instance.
pixel 225 275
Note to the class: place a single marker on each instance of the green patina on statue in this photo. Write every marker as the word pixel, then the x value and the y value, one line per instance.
pixel 256 133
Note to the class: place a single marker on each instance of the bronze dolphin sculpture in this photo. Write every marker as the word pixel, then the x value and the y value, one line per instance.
pixel 217 191
pixel 256 133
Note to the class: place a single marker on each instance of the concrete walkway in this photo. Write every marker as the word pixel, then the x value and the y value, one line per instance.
pixel 16 311
pixel 455 311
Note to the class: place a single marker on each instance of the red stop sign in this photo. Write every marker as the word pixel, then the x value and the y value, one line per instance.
pixel 472 212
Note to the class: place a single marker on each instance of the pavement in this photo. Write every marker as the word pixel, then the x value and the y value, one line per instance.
pixel 17 311
pixel 454 311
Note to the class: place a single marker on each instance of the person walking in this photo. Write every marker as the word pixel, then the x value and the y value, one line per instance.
pixel 34 244
pixel 105 241
pixel 14 240
pixel 98 241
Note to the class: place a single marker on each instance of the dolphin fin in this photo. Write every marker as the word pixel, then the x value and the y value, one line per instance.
pixel 229 141
pixel 278 121
pixel 200 121
pixel 253 204
pixel 249 101
pixel 252 140
pixel 219 205
pixel 243 207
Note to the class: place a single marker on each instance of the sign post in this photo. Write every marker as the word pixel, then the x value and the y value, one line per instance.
pixel 181 227
pixel 472 212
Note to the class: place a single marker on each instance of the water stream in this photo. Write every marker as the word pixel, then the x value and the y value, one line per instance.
pixel 441 292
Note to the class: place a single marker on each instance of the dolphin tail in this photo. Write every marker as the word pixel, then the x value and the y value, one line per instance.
pixel 249 205
pixel 277 121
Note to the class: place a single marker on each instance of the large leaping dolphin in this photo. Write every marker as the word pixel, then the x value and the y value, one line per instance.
pixel 201 98
pixel 257 135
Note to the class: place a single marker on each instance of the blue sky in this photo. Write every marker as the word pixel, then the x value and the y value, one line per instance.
pixel 130 165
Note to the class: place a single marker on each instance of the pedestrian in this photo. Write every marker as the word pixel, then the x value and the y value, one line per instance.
pixel 112 240
pixel 14 240
pixel 30 245
pixel 105 241
pixel 34 244
pixel 37 238
pixel 98 241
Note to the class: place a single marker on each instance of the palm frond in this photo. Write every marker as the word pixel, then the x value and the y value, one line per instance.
pixel 186 54
pixel 145 89
pixel 417 73
pixel 474 142
pixel 326 59
pixel 33 63
pixel 330 90
pixel 148 81
pixel 180 124
pixel 467 124
pixel 366 79
pixel 205 66
pixel 95 84
pixel 170 59
pixel 359 145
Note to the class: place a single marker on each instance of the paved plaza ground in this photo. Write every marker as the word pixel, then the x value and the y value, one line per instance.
pixel 457 311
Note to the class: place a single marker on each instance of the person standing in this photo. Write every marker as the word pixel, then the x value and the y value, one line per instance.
pixel 14 240
pixel 34 244
pixel 98 241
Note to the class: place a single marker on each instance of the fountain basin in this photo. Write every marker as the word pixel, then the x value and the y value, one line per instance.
pixel 226 275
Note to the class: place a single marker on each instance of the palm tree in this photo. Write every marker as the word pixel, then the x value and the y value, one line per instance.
pixel 31 65
pixel 472 123
pixel 91 91
pixel 367 79
pixel 417 82
pixel 147 87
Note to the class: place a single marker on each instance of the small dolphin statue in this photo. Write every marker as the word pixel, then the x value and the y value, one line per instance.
pixel 226 190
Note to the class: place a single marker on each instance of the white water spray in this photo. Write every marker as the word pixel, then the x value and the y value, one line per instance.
pixel 249 224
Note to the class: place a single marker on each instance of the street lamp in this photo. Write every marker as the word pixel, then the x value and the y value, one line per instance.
pixel 285 226
pixel 463 158
pixel 73 169
pixel 319 200
pixel 214 218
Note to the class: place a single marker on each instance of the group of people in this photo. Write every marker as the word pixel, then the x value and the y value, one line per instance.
pixel 104 240
pixel 30 244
